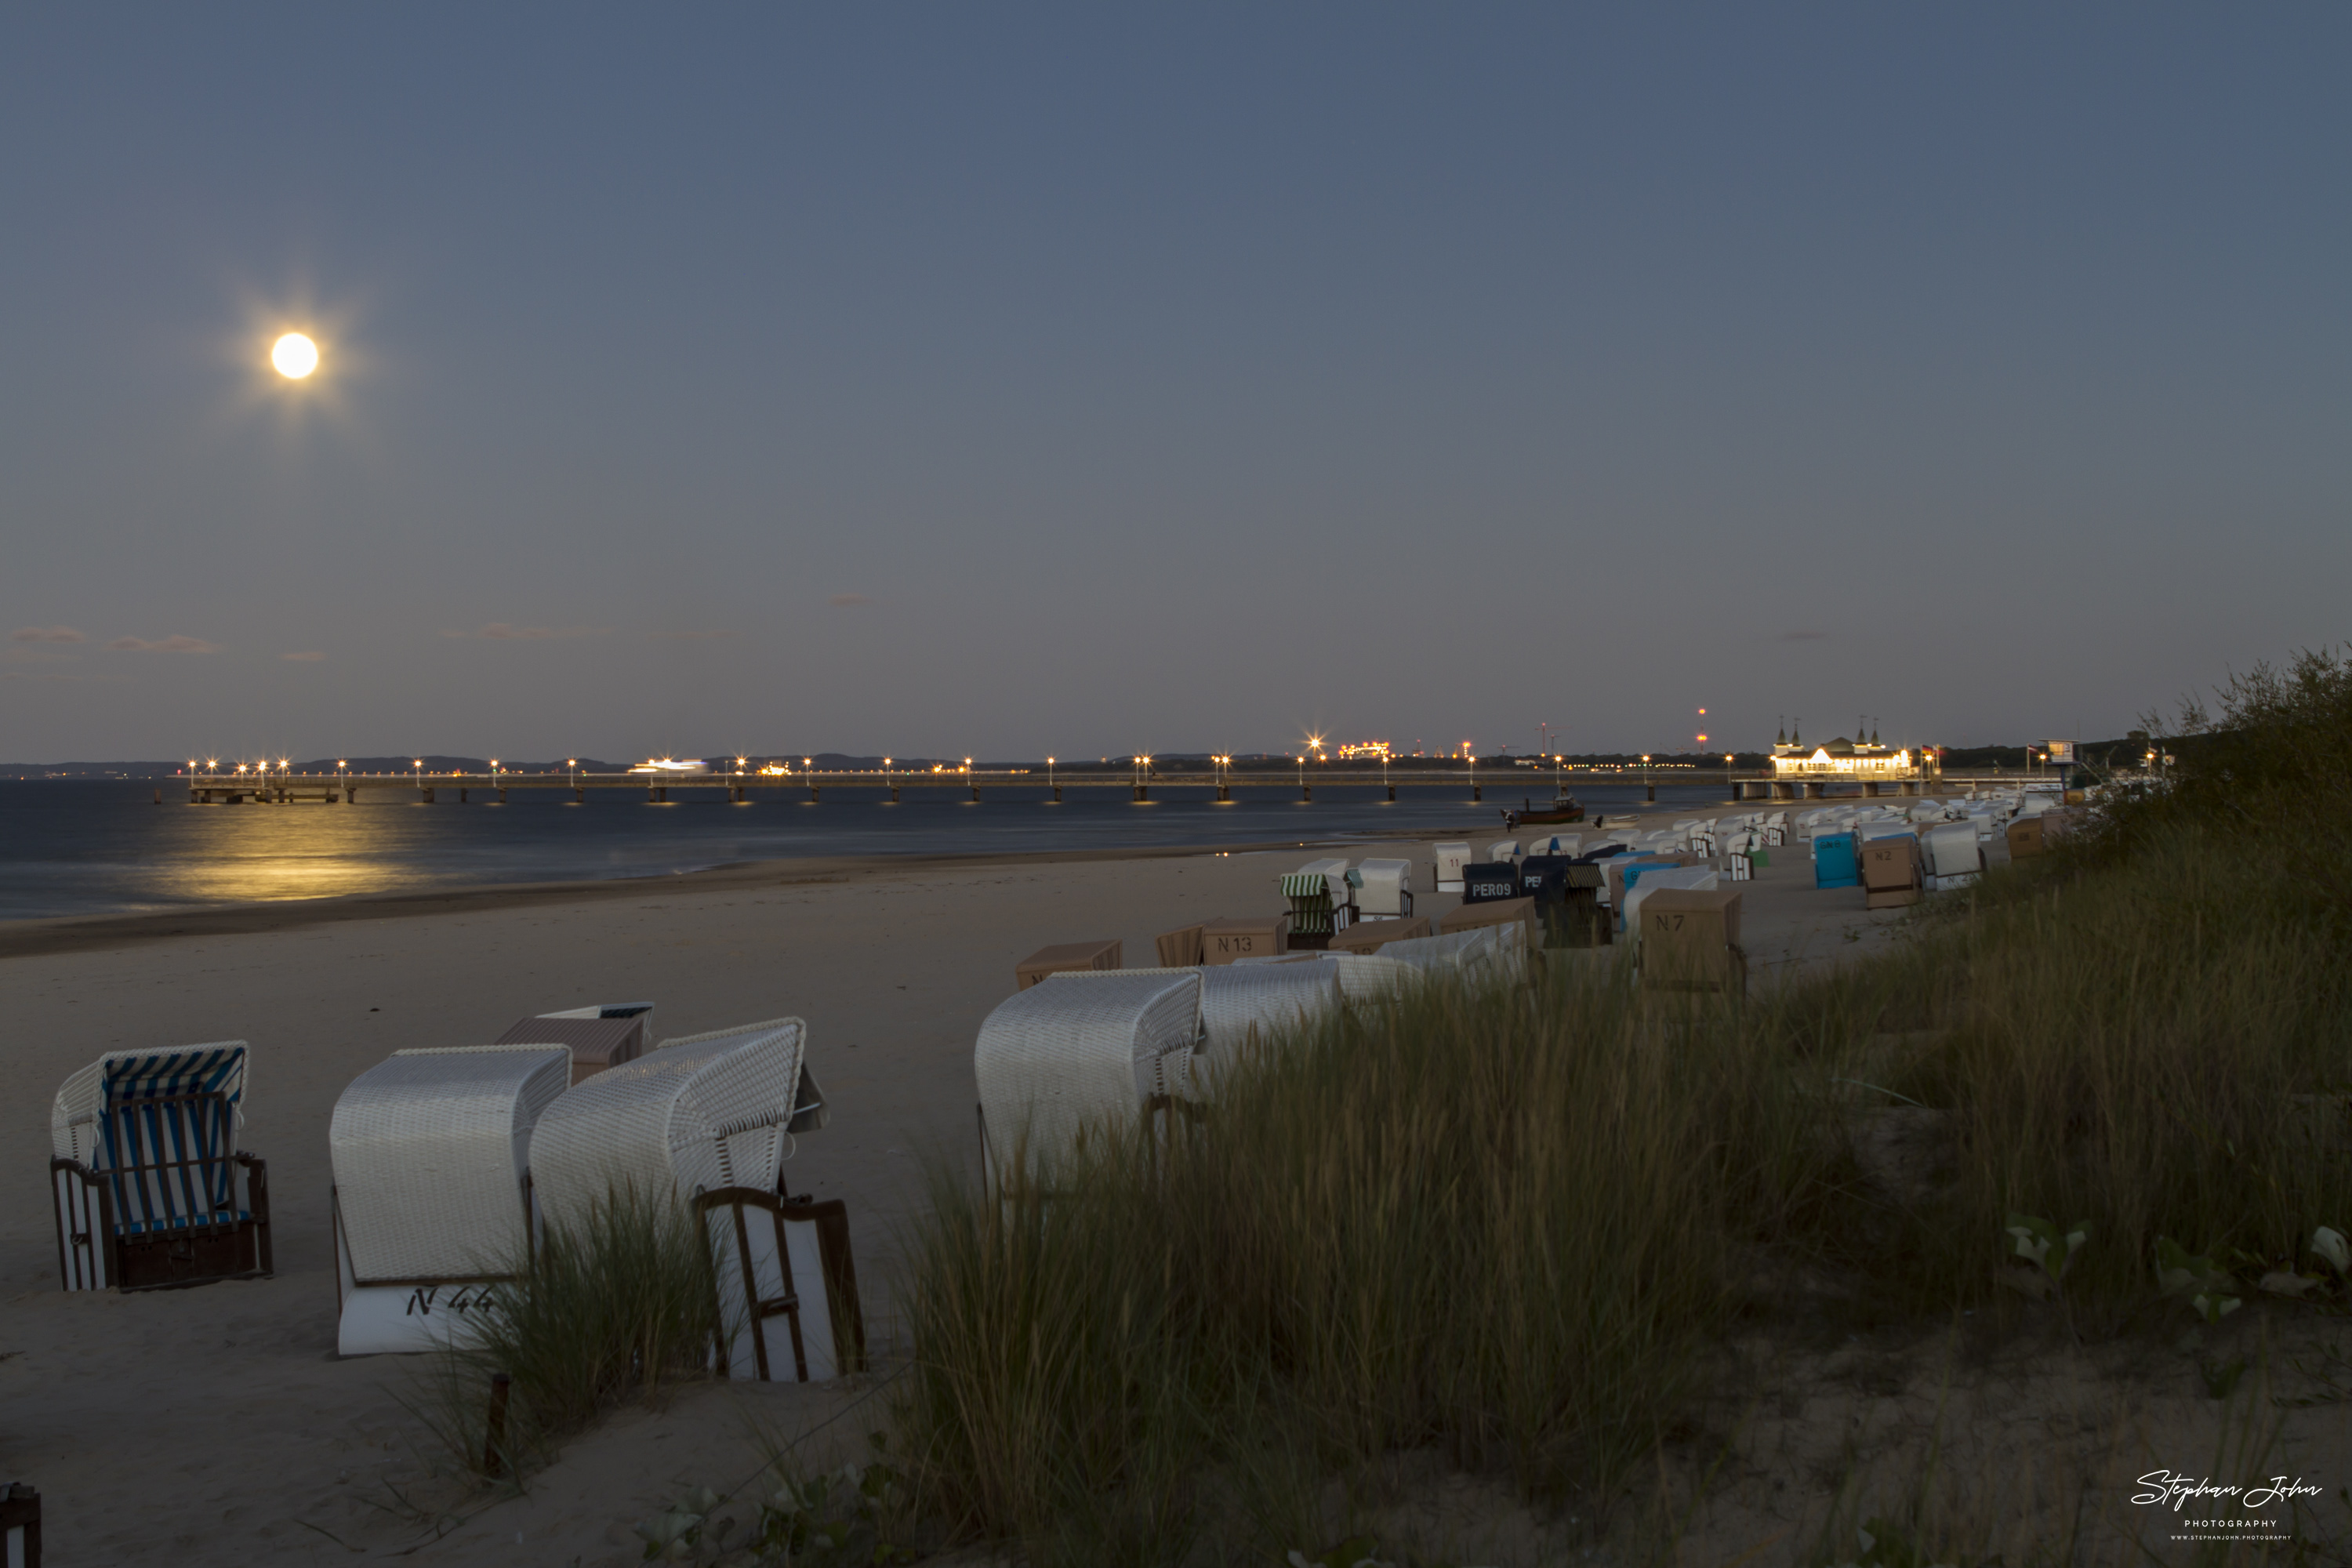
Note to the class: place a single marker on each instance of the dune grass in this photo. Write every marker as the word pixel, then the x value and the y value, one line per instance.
pixel 1507 1224
pixel 619 1308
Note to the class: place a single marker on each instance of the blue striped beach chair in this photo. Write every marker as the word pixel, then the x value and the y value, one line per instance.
pixel 150 1188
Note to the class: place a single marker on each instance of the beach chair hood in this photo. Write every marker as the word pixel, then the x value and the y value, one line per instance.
pixel 77 1115
pixel 431 1149
pixel 702 1113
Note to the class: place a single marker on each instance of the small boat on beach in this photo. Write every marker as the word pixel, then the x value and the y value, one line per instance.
pixel 1564 809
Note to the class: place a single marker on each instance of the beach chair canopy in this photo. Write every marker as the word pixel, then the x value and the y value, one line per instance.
pixel 431 1149
pixel 699 1115
pixel 1242 1002
pixel 1080 1050
pixel 1384 887
pixel 160 1128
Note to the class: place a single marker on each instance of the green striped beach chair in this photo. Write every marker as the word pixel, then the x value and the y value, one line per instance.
pixel 149 1187
pixel 1317 892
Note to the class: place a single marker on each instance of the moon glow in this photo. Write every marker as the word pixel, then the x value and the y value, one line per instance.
pixel 295 356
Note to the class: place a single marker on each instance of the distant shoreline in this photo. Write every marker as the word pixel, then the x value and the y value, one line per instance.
pixel 83 933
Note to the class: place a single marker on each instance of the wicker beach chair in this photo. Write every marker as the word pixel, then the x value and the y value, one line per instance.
pixel 601 1036
pixel 1243 1004
pixel 432 1200
pixel 1384 888
pixel 709 1121
pixel 1081 1050
pixel 146 1180
pixel 1319 896
pixel 699 1115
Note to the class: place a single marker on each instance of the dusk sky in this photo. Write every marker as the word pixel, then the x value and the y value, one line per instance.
pixel 1004 381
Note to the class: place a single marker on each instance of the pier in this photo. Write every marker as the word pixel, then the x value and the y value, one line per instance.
pixel 1142 785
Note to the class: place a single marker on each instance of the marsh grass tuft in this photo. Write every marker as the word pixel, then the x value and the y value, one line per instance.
pixel 619 1309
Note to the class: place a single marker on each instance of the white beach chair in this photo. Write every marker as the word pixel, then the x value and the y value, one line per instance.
pixel 1384 891
pixel 698 1115
pixel 1952 855
pixel 1244 1003
pixel 1503 850
pixel 1450 859
pixel 708 1120
pixel 147 1183
pixel 432 1199
pixel 1081 1051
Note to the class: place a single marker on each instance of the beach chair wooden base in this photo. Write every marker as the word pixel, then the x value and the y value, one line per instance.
pixel 93 1254
pixel 20 1525
pixel 787 1287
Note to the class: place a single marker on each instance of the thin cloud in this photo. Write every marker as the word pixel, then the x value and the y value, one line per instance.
pixel 714 635
pixel 303 658
pixel 1802 637
pixel 500 631
pixel 172 644
pixel 46 633
pixel 847 601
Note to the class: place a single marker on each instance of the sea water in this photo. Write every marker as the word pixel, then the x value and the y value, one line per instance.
pixel 71 846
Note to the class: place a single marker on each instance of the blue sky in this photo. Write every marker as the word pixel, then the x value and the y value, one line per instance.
pixel 1003 380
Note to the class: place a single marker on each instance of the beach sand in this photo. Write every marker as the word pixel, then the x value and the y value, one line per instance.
pixel 218 1425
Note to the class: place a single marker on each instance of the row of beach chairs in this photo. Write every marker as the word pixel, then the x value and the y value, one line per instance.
pixel 450 1163
pixel 1076 1047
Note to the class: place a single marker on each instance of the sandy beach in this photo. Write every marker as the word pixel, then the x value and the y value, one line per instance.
pixel 218 1425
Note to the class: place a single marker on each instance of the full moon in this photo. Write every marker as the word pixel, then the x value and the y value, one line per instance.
pixel 295 356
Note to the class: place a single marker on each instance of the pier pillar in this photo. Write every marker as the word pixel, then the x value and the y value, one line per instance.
pixel 1225 794
pixel 1305 794
pixel 1649 792
pixel 158 794
pixel 1908 786
pixel 578 795
pixel 975 792
pixel 1058 794
pixel 1476 793
pixel 502 794
pixel 894 795
pixel 1392 792
pixel 1870 789
pixel 461 798
pixel 1142 793
pixel 811 794
pixel 428 796
pixel 1816 790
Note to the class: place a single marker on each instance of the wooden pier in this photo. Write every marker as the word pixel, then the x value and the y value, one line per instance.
pixel 1144 785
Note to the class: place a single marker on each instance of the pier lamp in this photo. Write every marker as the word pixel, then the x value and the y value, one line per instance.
pixel 967 764
pixel 212 764
pixel 1049 773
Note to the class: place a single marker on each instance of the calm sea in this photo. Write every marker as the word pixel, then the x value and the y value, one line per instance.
pixel 69 847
